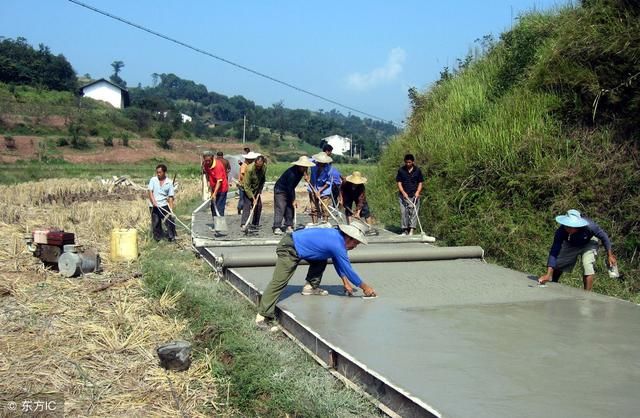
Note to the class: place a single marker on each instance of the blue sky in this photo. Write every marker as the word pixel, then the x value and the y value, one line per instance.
pixel 365 54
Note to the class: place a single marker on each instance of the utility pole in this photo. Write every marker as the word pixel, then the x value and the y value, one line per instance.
pixel 244 126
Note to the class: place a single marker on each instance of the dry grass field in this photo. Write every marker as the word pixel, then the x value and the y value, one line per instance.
pixel 90 340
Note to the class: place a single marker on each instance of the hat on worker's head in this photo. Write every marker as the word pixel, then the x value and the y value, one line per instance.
pixel 357 178
pixel 207 153
pixel 251 155
pixel 303 161
pixel 572 219
pixel 322 158
pixel 355 230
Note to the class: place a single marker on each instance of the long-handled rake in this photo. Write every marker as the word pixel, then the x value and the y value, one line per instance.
pixel 416 214
pixel 370 229
pixel 329 211
pixel 169 214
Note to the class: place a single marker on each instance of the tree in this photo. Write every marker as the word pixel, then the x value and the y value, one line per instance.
pixel 20 63
pixel 117 66
pixel 115 77
pixel 164 133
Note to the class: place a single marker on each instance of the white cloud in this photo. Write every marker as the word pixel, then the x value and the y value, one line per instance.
pixel 386 73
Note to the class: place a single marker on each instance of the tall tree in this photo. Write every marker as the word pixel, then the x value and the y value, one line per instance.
pixel 115 77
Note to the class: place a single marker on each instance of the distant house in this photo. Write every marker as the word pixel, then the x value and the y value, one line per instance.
pixel 213 123
pixel 106 91
pixel 183 116
pixel 341 145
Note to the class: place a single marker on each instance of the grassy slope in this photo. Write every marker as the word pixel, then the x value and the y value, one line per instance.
pixel 268 375
pixel 502 159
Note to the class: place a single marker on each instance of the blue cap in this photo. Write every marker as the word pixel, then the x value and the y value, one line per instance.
pixel 572 219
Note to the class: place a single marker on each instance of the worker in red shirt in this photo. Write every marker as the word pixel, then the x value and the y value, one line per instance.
pixel 218 183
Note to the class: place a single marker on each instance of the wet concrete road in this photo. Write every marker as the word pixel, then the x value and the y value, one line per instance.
pixel 471 339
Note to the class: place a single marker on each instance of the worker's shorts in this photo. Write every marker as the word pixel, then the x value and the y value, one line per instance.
pixel 569 256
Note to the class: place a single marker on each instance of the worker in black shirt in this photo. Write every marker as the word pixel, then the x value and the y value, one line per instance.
pixel 284 196
pixel 352 191
pixel 409 180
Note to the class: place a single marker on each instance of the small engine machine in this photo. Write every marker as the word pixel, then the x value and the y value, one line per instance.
pixel 57 249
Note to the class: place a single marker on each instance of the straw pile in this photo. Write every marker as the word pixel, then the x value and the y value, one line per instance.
pixel 94 347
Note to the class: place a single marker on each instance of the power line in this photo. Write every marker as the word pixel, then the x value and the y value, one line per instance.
pixel 242 67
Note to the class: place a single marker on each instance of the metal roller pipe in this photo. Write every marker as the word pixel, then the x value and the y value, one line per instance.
pixel 266 256
pixel 396 239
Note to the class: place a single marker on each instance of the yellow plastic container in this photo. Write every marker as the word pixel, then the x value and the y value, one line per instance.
pixel 124 244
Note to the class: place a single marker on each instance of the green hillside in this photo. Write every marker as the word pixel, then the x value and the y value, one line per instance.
pixel 542 120
pixel 39 95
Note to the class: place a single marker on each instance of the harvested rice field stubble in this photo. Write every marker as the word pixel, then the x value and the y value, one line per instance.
pixel 91 340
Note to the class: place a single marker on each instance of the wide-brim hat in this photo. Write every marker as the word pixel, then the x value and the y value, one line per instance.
pixel 572 219
pixel 354 231
pixel 207 153
pixel 303 161
pixel 357 178
pixel 322 158
pixel 251 156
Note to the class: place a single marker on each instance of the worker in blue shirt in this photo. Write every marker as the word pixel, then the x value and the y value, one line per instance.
pixel 576 236
pixel 336 182
pixel 316 246
pixel 320 187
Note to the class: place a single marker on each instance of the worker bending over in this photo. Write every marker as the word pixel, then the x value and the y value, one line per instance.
pixel 284 193
pixel 316 246
pixel 353 191
pixel 576 236
pixel 253 183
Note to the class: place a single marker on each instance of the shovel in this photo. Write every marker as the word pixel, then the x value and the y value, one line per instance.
pixel 219 222
pixel 244 227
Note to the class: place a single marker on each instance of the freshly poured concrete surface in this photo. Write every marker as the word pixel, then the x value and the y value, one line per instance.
pixel 475 340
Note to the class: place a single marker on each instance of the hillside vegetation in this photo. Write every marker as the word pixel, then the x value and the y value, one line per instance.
pixel 39 94
pixel 540 121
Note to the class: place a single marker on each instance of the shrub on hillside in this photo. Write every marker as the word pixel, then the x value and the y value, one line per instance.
pixel 9 142
pixel 164 133
pixel 107 141
pixel 125 139
pixel 78 138
pixel 62 142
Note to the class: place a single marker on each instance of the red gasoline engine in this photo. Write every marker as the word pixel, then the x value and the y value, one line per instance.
pixel 58 250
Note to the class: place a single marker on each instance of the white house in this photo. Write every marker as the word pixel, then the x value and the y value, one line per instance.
pixel 106 91
pixel 341 145
pixel 183 116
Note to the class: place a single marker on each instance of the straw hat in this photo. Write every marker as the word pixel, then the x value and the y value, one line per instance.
pixel 354 230
pixel 357 178
pixel 251 156
pixel 303 161
pixel 322 158
pixel 207 153
pixel 572 219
